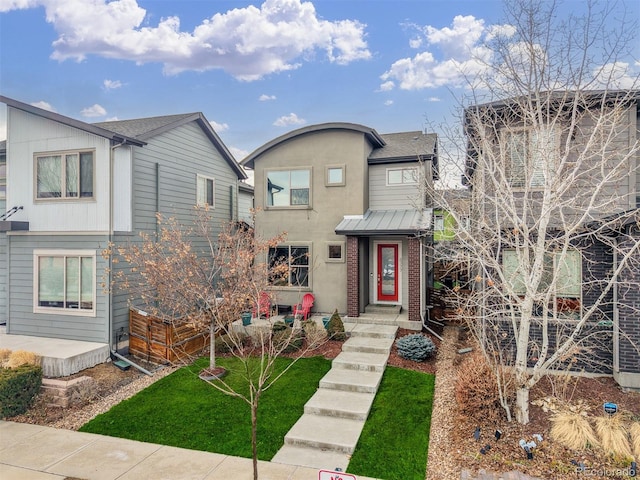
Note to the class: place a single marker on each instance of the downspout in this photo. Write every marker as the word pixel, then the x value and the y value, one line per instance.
pixel 111 206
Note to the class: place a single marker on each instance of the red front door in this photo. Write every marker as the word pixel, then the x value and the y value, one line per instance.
pixel 387 272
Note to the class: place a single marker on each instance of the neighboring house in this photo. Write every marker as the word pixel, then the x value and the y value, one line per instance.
pixel 80 187
pixel 245 203
pixel 3 238
pixel 601 205
pixel 354 206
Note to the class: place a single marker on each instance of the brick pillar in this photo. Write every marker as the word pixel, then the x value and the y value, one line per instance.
pixel 353 277
pixel 415 262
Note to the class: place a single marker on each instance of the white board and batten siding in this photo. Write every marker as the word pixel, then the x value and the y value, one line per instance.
pixel 31 134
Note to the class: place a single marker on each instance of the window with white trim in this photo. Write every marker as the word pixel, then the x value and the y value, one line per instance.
pixel 335 252
pixel 64 281
pixel 567 270
pixel 205 190
pixel 289 188
pixel 66 175
pixel 289 266
pixel 402 176
pixel 528 151
pixel 438 222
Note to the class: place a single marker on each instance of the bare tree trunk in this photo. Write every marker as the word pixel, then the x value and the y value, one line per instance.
pixel 254 437
pixel 212 343
pixel 522 405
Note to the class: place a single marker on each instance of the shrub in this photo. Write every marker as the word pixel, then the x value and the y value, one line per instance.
pixel 416 347
pixel 22 357
pixel 314 333
pixel 4 356
pixel 634 432
pixel 335 328
pixel 226 344
pixel 279 326
pixel 476 389
pixel 573 430
pixel 613 436
pixel 287 340
pixel 18 388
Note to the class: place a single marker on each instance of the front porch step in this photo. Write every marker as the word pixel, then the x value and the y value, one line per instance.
pixel 368 345
pixel 322 432
pixel 312 458
pixel 367 362
pixel 371 330
pixel 383 309
pixel 340 404
pixel 351 380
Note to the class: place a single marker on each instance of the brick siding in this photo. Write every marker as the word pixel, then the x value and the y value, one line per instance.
pixel 353 277
pixel 414 262
pixel 629 313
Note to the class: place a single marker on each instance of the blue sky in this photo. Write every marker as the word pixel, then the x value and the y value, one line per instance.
pixel 255 69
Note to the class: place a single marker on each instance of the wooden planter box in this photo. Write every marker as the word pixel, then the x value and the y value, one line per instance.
pixel 156 341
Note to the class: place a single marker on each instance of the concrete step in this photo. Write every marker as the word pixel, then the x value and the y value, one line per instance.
pixel 368 362
pixel 368 345
pixel 372 330
pixel 320 459
pixel 322 432
pixel 383 309
pixel 340 404
pixel 351 380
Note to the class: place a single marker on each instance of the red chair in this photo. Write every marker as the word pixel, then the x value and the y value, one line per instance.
pixel 304 308
pixel 264 306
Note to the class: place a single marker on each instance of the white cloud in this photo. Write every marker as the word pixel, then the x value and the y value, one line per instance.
pixel 388 103
pixel 219 127
pixel 44 105
pixel 450 56
pixel 93 111
pixel 239 154
pixel 434 99
pixel 617 75
pixel 266 98
pixel 287 120
pixel 248 42
pixel 112 84
pixel 8 5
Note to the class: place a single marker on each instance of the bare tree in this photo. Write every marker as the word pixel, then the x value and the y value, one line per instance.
pixel 189 276
pixel 550 126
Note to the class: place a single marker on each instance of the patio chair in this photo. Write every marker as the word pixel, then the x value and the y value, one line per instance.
pixel 263 309
pixel 304 307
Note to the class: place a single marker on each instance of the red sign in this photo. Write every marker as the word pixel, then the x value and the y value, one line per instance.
pixel 330 475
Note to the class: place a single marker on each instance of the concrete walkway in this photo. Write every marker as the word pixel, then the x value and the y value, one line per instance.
pixel 34 452
pixel 327 433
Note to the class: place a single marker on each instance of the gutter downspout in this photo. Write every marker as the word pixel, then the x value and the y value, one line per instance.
pixel 111 206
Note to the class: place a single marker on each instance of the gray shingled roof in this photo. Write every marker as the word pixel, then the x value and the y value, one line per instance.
pixel 143 127
pixel 405 146
pixel 386 222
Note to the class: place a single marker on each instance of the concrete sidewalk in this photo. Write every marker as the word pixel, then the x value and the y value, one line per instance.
pixel 34 452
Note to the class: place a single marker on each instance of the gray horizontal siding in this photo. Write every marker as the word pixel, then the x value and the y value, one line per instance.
pixel 23 321
pixel 3 278
pixel 383 197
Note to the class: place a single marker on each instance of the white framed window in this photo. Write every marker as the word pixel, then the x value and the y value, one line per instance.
pixel 65 175
pixel 335 176
pixel 289 188
pixel 64 282
pixel 290 265
pixel 438 222
pixel 528 151
pixel 402 176
pixel 335 252
pixel 567 270
pixel 3 177
pixel 205 190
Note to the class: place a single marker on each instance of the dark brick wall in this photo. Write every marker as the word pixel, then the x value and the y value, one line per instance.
pixel 414 261
pixel 629 310
pixel 353 278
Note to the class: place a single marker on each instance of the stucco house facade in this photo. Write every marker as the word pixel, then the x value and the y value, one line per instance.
pixel 77 187
pixel 355 207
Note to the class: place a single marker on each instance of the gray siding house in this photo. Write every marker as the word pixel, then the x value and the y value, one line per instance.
pixel 76 187
pixel 355 209
pixel 581 150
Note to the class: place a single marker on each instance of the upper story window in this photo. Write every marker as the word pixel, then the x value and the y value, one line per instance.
pixel 205 190
pixel 3 177
pixel 289 188
pixel 335 176
pixel 438 222
pixel 402 176
pixel 65 175
pixel 64 281
pixel 528 151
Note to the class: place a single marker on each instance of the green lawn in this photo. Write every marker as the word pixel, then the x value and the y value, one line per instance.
pixel 183 411
pixel 395 439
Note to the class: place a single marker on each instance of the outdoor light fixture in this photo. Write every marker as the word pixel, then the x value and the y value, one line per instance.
pixel 633 469
pixel 476 434
pixel 610 408
pixel 498 434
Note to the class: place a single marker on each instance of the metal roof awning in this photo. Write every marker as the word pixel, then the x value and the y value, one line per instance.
pixel 386 222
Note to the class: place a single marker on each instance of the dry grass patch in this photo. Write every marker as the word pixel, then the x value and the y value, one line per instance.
pixel 22 357
pixel 573 430
pixel 634 432
pixel 4 356
pixel 613 435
